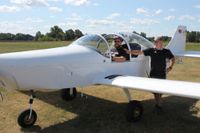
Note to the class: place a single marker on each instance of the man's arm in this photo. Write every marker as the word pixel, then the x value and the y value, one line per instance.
pixel 172 64
pixel 134 52
pixel 119 59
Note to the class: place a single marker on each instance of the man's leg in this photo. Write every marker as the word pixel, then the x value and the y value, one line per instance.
pixel 157 97
pixel 158 108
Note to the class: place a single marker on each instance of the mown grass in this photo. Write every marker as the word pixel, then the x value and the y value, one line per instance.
pixel 193 46
pixel 101 110
pixel 23 46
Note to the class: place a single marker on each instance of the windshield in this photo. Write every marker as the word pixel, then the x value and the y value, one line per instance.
pixel 133 38
pixel 104 45
pixel 94 42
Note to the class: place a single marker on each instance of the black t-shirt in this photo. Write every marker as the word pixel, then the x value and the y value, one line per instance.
pixel 122 52
pixel 158 61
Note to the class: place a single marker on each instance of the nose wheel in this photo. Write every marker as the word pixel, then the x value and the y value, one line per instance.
pixel 28 117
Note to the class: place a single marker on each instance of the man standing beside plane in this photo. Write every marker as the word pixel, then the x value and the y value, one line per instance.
pixel 121 49
pixel 158 55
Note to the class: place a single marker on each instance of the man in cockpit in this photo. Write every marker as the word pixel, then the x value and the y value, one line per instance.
pixel 121 49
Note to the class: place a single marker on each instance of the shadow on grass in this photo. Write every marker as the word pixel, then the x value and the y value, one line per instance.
pixel 100 115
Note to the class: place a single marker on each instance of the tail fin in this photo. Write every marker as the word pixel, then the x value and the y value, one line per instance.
pixel 177 43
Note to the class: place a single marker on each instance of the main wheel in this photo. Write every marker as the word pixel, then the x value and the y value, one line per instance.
pixel 23 119
pixel 134 111
pixel 67 95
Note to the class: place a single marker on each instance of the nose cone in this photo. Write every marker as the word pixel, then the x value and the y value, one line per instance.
pixel 7 80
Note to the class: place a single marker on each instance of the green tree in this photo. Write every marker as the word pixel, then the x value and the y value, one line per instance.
pixel 151 39
pixel 78 33
pixel 69 35
pixel 23 37
pixel 143 34
pixel 6 36
pixel 46 38
pixel 166 38
pixel 191 36
pixel 57 33
pixel 198 36
pixel 38 36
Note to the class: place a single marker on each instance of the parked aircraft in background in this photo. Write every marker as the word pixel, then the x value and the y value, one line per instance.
pixel 88 61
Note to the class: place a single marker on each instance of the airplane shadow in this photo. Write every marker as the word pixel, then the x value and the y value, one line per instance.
pixel 100 115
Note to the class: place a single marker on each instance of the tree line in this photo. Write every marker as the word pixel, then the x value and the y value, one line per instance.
pixel 57 34
pixel 15 37
pixel 193 36
pixel 165 38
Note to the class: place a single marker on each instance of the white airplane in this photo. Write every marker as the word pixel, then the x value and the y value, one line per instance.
pixel 88 61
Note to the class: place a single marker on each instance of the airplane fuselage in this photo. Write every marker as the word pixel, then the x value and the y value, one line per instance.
pixel 63 67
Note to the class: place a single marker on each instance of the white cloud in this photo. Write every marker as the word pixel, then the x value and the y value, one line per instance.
pixel 197 6
pixel 76 2
pixel 169 18
pixel 30 2
pixel 113 15
pixel 30 20
pixel 186 17
pixel 159 11
pixel 55 9
pixel 12 27
pixel 147 12
pixel 142 11
pixel 54 0
pixel 8 27
pixel 74 17
pixel 68 24
pixel 95 22
pixel 8 9
pixel 144 21
pixel 34 20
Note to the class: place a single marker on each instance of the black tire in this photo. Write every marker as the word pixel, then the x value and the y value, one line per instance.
pixel 65 94
pixel 134 111
pixel 23 118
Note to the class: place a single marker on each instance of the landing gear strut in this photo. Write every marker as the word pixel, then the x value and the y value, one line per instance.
pixel 28 117
pixel 134 109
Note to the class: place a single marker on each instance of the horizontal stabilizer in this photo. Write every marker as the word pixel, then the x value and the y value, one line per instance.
pixel 195 54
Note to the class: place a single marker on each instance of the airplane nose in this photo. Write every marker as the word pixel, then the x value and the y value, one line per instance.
pixel 1 95
pixel 2 84
pixel 7 81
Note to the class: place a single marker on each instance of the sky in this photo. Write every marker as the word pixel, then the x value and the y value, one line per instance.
pixel 154 17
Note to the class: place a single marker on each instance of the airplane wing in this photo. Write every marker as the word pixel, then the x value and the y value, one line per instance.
pixel 172 87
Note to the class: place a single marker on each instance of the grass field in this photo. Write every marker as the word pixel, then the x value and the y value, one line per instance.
pixel 101 110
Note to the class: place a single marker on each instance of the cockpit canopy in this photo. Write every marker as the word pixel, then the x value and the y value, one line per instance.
pixel 104 44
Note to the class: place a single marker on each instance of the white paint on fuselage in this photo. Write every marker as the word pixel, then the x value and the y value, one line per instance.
pixel 63 67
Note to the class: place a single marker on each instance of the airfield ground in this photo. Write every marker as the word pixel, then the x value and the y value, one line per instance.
pixel 101 110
